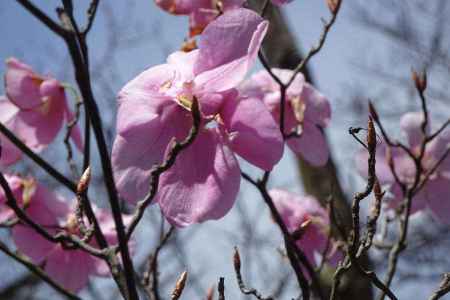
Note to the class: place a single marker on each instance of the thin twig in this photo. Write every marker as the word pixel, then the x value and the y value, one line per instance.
pixel 221 288
pixel 244 289
pixel 152 270
pixel 91 13
pixel 70 125
pixel 37 159
pixel 444 288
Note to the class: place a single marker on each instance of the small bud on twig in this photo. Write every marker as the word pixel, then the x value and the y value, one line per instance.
pixel 210 293
pixel 373 112
pixel 237 260
pixel 371 136
pixel 420 80
pixel 84 181
pixel 179 286
pixel 334 5
pixel 377 190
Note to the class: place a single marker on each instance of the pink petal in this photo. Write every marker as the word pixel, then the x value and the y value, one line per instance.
pixel 211 103
pixel 203 183
pixel 382 168
pixel 438 194
pixel 199 19
pixel 15 184
pixel 231 43
pixel 223 77
pixel 419 201
pixel 46 207
pixel 311 145
pixel 22 84
pixel 183 63
pixel 437 149
pixel 255 135
pixel 147 120
pixel 295 210
pixel 318 109
pixel 411 124
pixel 39 127
pixel 142 144
pixel 31 243
pixel 70 268
pixel 289 206
pixel 9 153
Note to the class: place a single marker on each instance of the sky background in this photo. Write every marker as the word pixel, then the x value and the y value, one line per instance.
pixel 146 36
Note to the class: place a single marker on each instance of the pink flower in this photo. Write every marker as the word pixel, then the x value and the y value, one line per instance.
pixel 435 193
pixel 200 12
pixel 35 109
pixel 71 268
pixel 154 108
pixel 306 214
pixel 307 111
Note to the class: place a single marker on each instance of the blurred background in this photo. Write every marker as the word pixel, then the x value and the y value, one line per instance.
pixel 368 55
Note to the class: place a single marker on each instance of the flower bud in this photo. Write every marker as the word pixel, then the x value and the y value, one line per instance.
pixel 420 80
pixel 237 260
pixel 373 112
pixel 334 5
pixel 210 293
pixel 179 286
pixel 85 179
pixel 371 136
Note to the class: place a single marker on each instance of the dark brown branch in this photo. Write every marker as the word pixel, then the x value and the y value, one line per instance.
pixel 70 125
pixel 351 258
pixel 179 286
pixel 293 252
pixel 91 13
pixel 52 25
pixel 37 159
pixel 444 288
pixel 78 52
pixel 221 288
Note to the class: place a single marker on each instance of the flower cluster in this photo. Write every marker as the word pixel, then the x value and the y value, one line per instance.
pixel 34 108
pixel 435 192
pixel 53 213
pixel 237 119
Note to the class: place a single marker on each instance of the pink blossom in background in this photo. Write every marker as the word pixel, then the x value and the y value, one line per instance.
pixel 435 195
pixel 35 109
pixel 19 187
pixel 71 268
pixel 305 108
pixel 200 12
pixel 155 107
pixel 305 211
